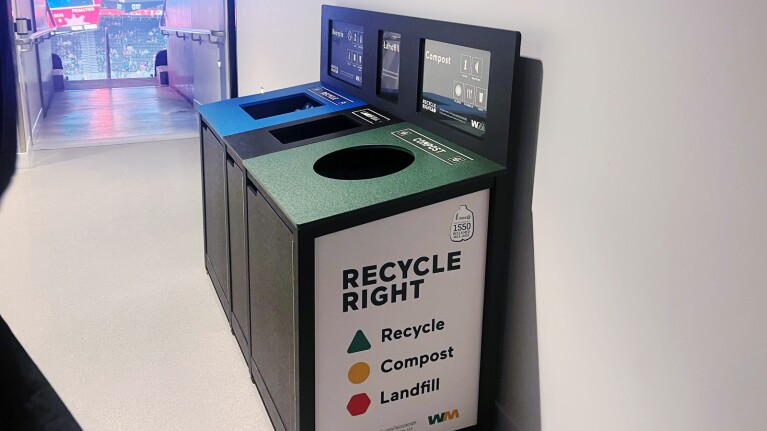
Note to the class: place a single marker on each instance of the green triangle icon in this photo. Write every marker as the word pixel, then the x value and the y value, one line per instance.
pixel 359 343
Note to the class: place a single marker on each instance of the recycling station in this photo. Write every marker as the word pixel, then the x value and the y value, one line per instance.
pixel 355 227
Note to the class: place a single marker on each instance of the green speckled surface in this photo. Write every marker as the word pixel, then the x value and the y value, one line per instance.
pixel 305 196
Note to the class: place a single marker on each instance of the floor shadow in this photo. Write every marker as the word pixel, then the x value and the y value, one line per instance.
pixel 519 395
pixel 27 400
pixel 44 157
pixel 51 157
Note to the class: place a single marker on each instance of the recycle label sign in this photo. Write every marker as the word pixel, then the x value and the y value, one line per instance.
pixel 398 319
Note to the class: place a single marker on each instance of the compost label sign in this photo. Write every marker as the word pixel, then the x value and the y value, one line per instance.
pixel 431 146
pixel 398 320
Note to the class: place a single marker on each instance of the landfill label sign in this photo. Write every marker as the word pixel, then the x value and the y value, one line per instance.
pixel 330 96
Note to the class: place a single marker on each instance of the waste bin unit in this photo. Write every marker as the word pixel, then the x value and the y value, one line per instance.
pixel 242 128
pixel 367 268
pixel 368 238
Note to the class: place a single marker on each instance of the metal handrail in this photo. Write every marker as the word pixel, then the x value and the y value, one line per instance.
pixel 37 37
pixel 182 32
pixel 196 34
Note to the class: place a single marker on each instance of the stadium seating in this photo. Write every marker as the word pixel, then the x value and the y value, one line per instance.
pixel 133 43
pixel 161 67
pixel 58 73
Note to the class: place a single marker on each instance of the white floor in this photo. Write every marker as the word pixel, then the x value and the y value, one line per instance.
pixel 102 280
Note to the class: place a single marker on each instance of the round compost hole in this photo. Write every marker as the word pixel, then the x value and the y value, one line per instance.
pixel 363 162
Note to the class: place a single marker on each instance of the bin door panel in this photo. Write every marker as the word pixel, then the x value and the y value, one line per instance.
pixel 272 306
pixel 238 249
pixel 214 181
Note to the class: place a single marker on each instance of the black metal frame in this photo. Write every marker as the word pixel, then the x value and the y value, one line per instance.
pixel 502 44
pixel 232 43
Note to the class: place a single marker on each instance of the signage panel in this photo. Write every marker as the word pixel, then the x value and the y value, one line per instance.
pixel 346 52
pixel 398 319
pixel 390 58
pixel 75 15
pixel 455 86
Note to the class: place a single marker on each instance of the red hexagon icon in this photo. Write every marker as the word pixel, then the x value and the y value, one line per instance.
pixel 358 404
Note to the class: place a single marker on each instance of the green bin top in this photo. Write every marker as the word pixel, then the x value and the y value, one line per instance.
pixel 304 196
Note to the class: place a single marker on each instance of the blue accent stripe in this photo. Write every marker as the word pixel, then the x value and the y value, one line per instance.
pixel 228 118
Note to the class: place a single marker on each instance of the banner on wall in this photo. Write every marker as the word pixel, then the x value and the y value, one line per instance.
pixel 75 15
pixel 146 12
pixel 147 8
pixel 132 6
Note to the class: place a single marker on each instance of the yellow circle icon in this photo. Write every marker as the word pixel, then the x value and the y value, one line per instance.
pixel 359 372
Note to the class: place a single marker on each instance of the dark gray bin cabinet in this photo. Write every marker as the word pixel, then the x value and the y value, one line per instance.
pixel 238 255
pixel 216 216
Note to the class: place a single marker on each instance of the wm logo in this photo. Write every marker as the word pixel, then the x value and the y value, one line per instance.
pixel 478 125
pixel 442 417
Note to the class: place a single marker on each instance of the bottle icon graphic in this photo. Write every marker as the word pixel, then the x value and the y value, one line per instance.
pixel 462 228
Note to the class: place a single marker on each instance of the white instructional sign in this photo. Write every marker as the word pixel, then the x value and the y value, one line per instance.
pixel 398 320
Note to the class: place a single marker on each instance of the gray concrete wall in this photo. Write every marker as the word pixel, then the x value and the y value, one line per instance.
pixel 29 80
pixel 180 51
pixel 197 70
pixel 44 54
